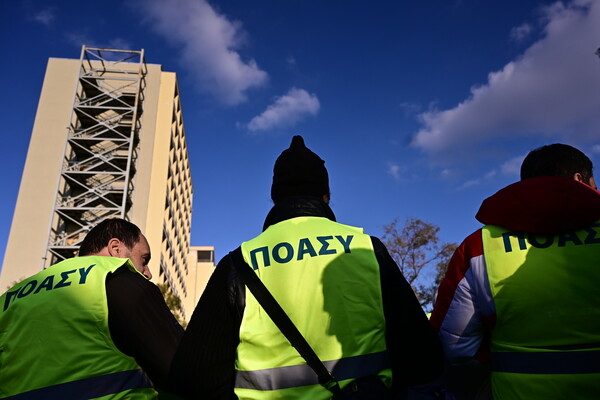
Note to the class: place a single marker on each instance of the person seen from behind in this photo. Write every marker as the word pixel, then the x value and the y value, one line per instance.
pixel 90 326
pixel 340 288
pixel 520 295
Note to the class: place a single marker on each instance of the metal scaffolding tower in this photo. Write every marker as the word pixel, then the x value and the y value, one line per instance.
pixel 96 179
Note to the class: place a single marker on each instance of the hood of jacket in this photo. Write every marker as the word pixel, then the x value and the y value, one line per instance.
pixel 545 204
pixel 298 206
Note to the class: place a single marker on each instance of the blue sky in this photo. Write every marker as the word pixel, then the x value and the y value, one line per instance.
pixel 419 108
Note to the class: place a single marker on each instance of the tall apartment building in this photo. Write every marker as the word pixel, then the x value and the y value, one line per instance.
pixel 108 141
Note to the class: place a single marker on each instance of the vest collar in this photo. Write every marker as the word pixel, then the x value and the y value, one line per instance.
pixel 298 206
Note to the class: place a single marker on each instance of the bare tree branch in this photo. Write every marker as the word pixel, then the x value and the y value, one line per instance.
pixel 416 247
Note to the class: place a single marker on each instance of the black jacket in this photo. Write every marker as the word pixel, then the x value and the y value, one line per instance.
pixel 204 364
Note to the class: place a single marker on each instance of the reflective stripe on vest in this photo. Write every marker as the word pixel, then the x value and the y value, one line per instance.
pixel 559 362
pixel 89 388
pixel 303 375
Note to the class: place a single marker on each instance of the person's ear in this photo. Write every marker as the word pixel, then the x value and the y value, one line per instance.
pixel 114 247
pixel 578 177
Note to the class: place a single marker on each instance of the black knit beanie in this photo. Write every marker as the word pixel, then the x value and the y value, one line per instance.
pixel 298 171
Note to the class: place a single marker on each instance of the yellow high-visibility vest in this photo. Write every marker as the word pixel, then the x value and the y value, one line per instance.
pixel 546 342
pixel 55 341
pixel 326 277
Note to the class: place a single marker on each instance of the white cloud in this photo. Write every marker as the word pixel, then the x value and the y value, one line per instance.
pixel 520 32
pixel 394 170
pixel 552 90
pixel 410 109
pixel 490 175
pixel 286 111
pixel 470 183
pixel 120 44
pixel 209 46
pixel 79 39
pixel 447 173
pixel 45 16
pixel 291 61
pixel 512 167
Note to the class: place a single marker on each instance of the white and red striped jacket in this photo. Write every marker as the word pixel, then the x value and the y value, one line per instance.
pixel 464 313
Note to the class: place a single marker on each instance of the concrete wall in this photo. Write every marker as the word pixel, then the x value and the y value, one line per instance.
pixel 37 193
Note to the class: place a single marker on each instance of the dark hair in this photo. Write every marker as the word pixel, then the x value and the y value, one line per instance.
pixel 99 236
pixel 557 160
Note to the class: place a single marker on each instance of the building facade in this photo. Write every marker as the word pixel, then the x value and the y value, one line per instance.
pixel 202 265
pixel 108 141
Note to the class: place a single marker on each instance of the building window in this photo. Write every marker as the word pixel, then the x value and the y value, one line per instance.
pixel 205 255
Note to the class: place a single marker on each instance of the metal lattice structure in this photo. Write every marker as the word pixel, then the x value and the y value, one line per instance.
pixel 96 179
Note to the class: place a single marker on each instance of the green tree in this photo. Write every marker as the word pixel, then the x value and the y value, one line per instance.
pixel 421 256
pixel 173 302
